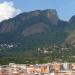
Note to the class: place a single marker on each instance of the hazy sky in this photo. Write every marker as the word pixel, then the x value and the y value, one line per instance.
pixel 65 8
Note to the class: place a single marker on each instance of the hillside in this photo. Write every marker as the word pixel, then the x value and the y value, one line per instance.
pixel 35 25
pixel 23 34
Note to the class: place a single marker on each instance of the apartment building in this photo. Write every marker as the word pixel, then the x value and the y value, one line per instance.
pixel 38 69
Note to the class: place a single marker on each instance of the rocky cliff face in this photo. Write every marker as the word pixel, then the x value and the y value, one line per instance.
pixel 31 22
pixel 52 16
pixel 40 25
pixel 35 29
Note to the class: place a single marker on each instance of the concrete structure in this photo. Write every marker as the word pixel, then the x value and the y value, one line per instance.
pixel 38 69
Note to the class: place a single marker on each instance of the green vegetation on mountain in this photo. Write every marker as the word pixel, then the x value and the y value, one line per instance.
pixel 36 29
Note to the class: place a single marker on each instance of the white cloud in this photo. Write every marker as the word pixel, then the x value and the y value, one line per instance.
pixel 7 10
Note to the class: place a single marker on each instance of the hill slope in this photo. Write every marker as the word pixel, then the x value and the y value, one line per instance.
pixel 21 35
pixel 36 25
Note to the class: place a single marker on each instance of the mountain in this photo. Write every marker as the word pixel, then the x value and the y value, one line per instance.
pixel 71 29
pixel 31 30
pixel 29 19
pixel 39 25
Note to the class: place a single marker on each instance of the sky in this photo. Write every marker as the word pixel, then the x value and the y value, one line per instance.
pixel 11 8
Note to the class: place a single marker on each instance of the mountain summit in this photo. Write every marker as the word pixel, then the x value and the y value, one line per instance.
pixel 39 27
pixel 37 37
pixel 31 22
